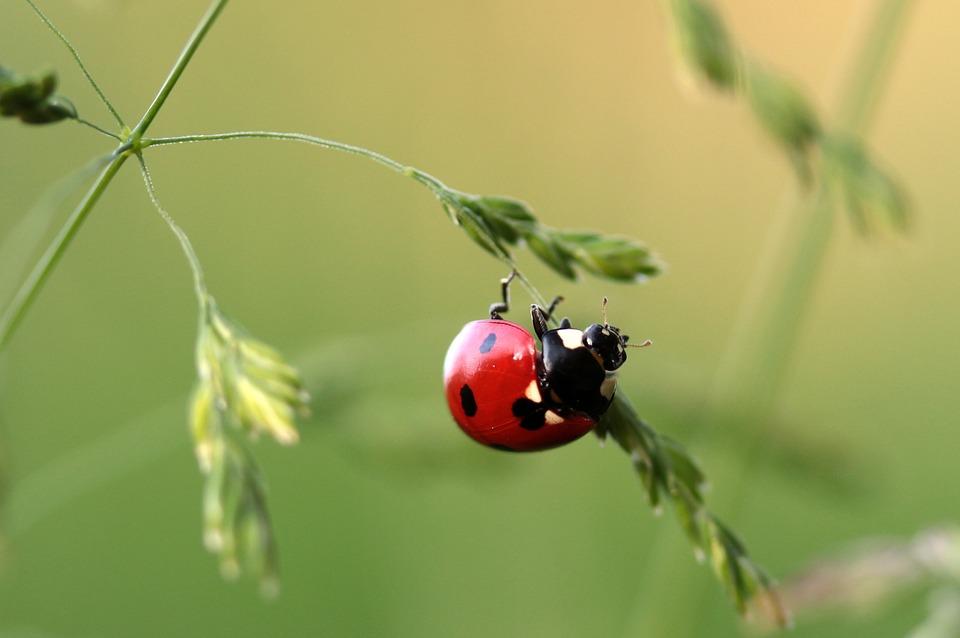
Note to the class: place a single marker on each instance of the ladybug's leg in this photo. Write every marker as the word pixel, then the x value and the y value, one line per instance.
pixel 539 319
pixel 553 306
pixel 503 306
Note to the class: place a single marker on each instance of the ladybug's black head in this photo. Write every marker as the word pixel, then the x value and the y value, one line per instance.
pixel 607 343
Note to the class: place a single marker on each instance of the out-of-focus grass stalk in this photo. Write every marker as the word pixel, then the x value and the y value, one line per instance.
pixel 770 317
pixel 767 328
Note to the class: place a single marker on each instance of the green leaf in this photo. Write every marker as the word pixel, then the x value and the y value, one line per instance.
pixel 507 208
pixel 780 107
pixel 508 219
pixel 783 111
pixel 614 257
pixel 684 468
pixel 546 249
pixel 689 511
pixel 256 387
pixel 868 191
pixel 245 389
pixel 32 99
pixel 638 440
pixel 23 93
pixel 502 229
pixel 496 222
pixel 725 555
pixel 53 110
pixel 745 580
pixel 704 43
pixel 477 229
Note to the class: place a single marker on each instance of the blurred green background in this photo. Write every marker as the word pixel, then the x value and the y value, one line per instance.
pixel 391 522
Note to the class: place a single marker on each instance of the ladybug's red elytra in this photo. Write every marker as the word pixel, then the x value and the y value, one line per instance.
pixel 506 394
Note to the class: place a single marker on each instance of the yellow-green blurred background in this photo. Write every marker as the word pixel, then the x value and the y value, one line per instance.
pixel 391 522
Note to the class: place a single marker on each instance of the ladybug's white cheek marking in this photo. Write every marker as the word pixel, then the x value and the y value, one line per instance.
pixel 571 338
pixel 552 418
pixel 533 392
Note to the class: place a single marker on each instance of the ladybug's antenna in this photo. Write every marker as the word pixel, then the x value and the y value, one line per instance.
pixel 603 311
pixel 646 343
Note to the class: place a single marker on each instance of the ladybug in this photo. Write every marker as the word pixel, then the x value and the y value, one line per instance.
pixel 506 394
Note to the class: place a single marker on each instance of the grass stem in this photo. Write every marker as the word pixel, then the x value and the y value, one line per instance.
pixel 178 68
pixel 199 282
pixel 51 256
pixel 441 190
pixel 98 129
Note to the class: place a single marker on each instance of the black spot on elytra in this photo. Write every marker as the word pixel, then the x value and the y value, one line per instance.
pixel 523 406
pixel 534 420
pixel 532 415
pixel 467 401
pixel 487 344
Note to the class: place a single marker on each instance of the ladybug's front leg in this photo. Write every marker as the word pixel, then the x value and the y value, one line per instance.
pixel 541 317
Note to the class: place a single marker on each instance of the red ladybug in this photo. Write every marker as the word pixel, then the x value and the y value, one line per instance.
pixel 505 394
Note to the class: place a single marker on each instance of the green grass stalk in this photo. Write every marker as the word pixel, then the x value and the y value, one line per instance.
pixel 766 333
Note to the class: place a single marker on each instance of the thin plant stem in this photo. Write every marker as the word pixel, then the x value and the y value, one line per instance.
pixel 342 147
pixel 178 67
pixel 441 190
pixel 48 260
pixel 199 283
pixel 79 61
pixel 867 77
pixel 98 129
